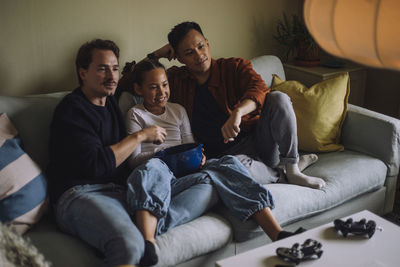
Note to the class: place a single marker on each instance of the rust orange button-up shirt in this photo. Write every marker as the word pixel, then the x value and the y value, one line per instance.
pixel 231 81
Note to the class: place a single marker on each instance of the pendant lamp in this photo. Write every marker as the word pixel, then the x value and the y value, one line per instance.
pixel 364 31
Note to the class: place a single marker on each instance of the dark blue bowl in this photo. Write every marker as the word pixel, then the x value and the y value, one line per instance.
pixel 182 159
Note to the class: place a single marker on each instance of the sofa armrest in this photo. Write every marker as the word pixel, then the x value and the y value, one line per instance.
pixel 266 66
pixel 373 133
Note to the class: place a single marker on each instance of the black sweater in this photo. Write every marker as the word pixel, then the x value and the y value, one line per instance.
pixel 80 136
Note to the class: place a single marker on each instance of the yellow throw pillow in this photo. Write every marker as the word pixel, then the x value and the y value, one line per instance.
pixel 320 111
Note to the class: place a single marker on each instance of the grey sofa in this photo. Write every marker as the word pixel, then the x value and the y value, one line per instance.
pixel 363 176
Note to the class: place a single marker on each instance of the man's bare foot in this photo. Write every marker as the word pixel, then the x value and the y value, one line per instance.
pixel 295 176
pixel 306 160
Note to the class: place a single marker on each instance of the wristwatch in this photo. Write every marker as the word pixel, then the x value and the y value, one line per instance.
pixel 152 56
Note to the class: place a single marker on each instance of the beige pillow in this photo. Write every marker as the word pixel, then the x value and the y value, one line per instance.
pixel 320 111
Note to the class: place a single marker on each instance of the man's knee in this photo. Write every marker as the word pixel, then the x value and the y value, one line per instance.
pixel 226 161
pixel 278 99
pixel 277 106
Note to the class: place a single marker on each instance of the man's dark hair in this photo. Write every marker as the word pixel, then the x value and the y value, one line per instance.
pixel 179 32
pixel 84 56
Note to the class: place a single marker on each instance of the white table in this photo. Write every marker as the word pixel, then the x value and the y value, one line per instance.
pixel 382 250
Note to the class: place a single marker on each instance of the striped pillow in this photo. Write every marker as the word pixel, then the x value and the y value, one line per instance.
pixel 23 196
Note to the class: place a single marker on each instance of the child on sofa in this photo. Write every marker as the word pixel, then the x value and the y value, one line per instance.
pixel 151 186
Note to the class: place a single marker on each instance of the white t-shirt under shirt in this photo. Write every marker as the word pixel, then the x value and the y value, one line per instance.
pixel 174 120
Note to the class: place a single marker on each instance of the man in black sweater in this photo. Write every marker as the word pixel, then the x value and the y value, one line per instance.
pixel 88 151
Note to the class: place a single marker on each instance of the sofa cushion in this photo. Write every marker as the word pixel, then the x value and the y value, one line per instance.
pixel 62 250
pixel 22 184
pixel 320 111
pixel 200 236
pixel 348 174
pixel 31 115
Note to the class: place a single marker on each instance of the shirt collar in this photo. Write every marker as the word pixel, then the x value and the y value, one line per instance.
pixel 214 79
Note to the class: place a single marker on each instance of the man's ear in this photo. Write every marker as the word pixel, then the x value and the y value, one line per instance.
pixel 179 58
pixel 208 44
pixel 82 73
pixel 137 90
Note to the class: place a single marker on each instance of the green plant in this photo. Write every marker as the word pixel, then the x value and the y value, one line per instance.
pixel 293 35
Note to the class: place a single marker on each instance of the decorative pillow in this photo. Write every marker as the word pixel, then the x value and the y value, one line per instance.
pixel 320 111
pixel 23 196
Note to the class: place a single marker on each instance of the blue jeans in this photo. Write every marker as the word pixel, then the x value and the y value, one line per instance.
pixel 99 215
pixel 274 140
pixel 236 188
pixel 153 187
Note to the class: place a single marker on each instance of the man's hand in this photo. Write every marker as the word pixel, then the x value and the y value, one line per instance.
pixel 231 127
pixel 126 146
pixel 155 134
pixel 165 52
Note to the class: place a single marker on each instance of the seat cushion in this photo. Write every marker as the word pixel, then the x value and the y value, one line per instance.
pixel 200 236
pixel 348 174
pixel 62 250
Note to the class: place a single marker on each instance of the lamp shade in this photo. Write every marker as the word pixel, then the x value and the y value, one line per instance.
pixel 364 31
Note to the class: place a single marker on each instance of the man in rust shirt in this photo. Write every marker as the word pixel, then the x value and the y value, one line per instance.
pixel 229 105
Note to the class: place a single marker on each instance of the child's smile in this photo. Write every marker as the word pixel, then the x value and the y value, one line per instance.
pixel 154 90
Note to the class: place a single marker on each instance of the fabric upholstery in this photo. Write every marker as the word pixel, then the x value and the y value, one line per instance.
pixel 31 115
pixel 127 101
pixel 374 134
pixel 346 178
pixel 202 235
pixel 22 184
pixel 274 66
pixel 320 111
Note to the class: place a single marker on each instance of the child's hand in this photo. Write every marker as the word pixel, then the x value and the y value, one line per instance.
pixel 203 158
pixel 155 134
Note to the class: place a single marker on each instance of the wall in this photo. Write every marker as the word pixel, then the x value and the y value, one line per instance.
pixel 39 38
pixel 383 91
